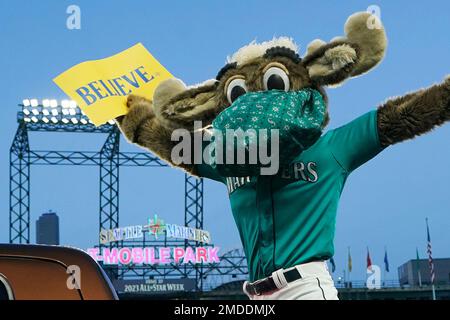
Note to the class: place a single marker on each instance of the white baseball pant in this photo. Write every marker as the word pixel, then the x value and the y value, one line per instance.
pixel 315 284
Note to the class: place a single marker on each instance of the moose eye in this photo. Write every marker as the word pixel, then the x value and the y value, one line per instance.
pixel 276 78
pixel 235 89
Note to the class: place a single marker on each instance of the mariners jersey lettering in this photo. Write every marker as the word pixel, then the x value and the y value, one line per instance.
pixel 289 218
pixel 297 170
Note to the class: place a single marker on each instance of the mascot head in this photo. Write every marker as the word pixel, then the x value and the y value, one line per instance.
pixel 270 85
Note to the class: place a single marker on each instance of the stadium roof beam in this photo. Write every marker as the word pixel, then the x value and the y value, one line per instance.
pixel 91 158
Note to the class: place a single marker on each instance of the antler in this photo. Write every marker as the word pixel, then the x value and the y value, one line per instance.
pixel 361 49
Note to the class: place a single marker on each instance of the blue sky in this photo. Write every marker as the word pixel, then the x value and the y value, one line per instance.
pixel 384 203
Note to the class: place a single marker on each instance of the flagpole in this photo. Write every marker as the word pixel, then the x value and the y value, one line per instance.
pixel 430 261
pixel 345 286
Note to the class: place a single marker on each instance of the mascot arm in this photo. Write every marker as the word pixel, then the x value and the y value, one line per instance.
pixel 414 114
pixel 141 127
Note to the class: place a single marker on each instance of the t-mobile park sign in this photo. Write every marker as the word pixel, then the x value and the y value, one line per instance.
pixel 154 256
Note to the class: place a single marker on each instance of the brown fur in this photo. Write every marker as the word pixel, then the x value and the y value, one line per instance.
pixel 332 77
pixel 372 42
pixel 141 127
pixel 414 114
pixel 362 35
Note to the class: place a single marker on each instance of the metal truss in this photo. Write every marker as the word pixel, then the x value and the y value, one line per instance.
pixel 232 263
pixel 86 158
pixel 232 267
pixel 109 159
pixel 19 187
pixel 109 181
pixel 193 217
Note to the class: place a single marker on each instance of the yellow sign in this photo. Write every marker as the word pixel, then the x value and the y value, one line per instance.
pixel 100 87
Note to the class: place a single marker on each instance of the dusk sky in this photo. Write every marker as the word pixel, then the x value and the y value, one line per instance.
pixel 384 203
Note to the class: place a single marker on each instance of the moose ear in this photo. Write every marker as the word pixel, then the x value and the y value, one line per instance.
pixel 360 50
pixel 177 106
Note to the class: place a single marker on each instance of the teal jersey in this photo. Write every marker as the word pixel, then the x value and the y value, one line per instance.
pixel 289 218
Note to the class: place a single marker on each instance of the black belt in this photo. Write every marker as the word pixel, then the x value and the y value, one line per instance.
pixel 268 284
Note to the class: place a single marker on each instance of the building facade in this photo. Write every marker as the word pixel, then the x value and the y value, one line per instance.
pixel 47 229
pixel 417 272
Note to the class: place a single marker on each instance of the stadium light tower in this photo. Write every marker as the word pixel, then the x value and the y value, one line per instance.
pixel 53 115
pixel 49 115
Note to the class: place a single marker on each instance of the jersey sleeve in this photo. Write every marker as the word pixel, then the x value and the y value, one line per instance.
pixel 357 142
pixel 204 170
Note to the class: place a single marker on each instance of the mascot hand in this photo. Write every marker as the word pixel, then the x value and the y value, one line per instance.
pixel 140 112
pixel 135 101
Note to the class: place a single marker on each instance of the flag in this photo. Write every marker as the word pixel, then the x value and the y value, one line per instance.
pixel 386 261
pixel 349 261
pixel 430 258
pixel 369 261
pixel 333 265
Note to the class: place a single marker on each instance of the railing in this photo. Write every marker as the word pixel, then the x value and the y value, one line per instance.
pixel 387 284
pixel 213 282
pixel 361 284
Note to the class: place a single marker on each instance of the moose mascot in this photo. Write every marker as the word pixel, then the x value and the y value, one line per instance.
pixel 285 216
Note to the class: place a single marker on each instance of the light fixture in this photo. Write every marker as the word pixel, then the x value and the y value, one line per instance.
pixel 111 122
pixel 72 112
pixel 74 120
pixel 26 102
pixel 45 112
pixel 35 111
pixel 65 112
pixel 73 104
pixel 54 120
pixel 46 103
pixel 55 112
pixel 45 119
pixel 53 103
pixel 83 121
pixel 26 111
pixel 34 119
pixel 64 120
pixel 34 102
pixel 65 103
pixel 26 119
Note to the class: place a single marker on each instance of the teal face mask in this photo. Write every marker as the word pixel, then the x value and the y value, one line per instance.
pixel 296 116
